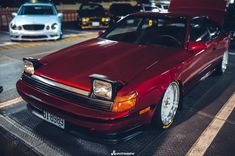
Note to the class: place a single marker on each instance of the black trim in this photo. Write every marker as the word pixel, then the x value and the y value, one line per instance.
pixel 116 86
pixel 197 78
pixel 36 63
pixel 65 114
pixel 67 95
pixel 86 133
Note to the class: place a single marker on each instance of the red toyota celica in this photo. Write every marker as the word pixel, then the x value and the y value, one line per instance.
pixel 133 74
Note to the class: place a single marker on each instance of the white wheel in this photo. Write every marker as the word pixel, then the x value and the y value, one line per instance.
pixel 224 62
pixel 170 103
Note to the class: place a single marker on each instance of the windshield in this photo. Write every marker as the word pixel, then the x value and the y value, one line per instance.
pixel 121 9
pixel 91 8
pixel 163 31
pixel 95 10
pixel 37 10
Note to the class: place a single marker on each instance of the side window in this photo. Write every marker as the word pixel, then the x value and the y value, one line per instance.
pixel 199 30
pixel 214 29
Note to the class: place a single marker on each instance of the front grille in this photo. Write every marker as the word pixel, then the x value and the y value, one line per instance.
pixel 34 27
pixel 67 95
pixel 34 36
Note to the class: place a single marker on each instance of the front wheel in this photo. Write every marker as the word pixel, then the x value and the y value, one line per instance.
pixel 168 107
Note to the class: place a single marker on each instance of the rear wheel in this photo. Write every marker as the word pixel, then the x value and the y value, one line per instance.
pixel 168 107
pixel 222 66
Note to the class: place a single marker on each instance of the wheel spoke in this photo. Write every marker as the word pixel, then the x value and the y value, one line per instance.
pixel 170 103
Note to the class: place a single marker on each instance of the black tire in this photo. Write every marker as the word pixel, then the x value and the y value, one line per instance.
pixel 157 121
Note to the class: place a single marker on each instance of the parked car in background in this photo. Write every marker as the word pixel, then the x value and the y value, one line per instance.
pixel 229 24
pixel 92 16
pixel 153 6
pixel 149 8
pixel 36 21
pixel 135 73
pixel 163 7
pixel 120 10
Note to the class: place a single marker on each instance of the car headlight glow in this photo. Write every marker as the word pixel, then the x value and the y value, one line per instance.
pixel 54 26
pixel 85 19
pixel 102 89
pixel 19 28
pixel 28 67
pixel 105 19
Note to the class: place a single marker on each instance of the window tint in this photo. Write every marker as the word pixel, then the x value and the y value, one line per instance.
pixel 163 31
pixel 91 7
pixel 37 10
pixel 199 30
pixel 214 29
pixel 125 30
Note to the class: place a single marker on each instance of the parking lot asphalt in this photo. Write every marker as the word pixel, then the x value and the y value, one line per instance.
pixel 23 133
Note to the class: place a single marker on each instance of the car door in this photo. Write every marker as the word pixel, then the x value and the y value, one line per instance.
pixel 199 61
pixel 219 39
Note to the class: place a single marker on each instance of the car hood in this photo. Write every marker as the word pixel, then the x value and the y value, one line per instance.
pixel 29 19
pixel 214 9
pixel 118 61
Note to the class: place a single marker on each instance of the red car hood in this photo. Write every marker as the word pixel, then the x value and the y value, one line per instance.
pixel 214 9
pixel 116 60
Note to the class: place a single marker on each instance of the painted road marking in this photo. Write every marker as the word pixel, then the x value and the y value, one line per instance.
pixel 39 43
pixel 5 32
pixel 204 141
pixel 11 102
pixel 7 43
pixel 35 54
pixel 232 54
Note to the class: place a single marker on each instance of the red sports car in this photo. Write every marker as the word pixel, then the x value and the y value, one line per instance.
pixel 133 74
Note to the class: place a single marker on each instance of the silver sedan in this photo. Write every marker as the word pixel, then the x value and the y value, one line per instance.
pixel 36 21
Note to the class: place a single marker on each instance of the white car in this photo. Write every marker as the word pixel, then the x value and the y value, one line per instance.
pixel 152 6
pixel 36 21
pixel 162 7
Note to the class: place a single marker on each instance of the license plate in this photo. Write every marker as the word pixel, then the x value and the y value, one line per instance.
pixel 95 24
pixel 55 120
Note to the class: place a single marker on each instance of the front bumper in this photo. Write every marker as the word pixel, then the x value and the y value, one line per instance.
pixel 95 23
pixel 92 119
pixel 25 35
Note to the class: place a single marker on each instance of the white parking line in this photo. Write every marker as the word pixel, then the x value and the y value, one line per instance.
pixel 232 53
pixel 11 102
pixel 5 32
pixel 7 43
pixel 204 141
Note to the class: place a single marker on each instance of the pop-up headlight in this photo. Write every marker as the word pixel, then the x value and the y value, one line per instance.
pixel 28 67
pixel 30 64
pixel 102 89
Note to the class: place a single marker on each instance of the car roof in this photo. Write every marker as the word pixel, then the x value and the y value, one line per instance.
pixel 149 13
pixel 83 4
pixel 168 14
pixel 40 3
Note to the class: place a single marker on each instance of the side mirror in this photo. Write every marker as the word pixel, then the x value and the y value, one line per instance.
pixel 60 15
pixel 196 47
pixel 14 14
pixel 101 32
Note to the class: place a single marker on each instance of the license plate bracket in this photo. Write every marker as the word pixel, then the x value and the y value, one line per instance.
pixel 95 24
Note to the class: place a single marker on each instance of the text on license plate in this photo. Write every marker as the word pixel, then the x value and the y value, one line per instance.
pixel 55 120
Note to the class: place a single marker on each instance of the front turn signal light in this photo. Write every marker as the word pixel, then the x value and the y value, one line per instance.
pixel 124 103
